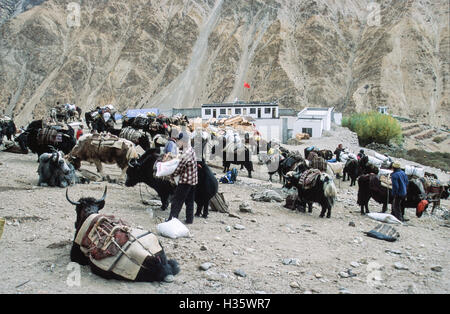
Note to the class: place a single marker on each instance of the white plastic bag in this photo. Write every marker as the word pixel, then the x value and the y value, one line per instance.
pixel 388 218
pixel 416 171
pixel 375 161
pixel 352 156
pixel 173 229
pixel 381 157
pixel 166 168
pixel 385 172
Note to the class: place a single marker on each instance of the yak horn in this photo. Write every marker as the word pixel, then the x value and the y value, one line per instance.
pixel 71 202
pixel 132 163
pixel 104 195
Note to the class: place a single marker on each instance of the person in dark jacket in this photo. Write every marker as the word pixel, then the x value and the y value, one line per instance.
pixel 360 154
pixel 338 152
pixel 188 173
pixel 399 191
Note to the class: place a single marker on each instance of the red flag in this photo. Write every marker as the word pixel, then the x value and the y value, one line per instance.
pixel 246 85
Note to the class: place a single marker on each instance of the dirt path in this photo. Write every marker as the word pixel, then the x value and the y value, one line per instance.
pixel 279 250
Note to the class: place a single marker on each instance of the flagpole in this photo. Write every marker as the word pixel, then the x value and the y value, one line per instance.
pixel 247 86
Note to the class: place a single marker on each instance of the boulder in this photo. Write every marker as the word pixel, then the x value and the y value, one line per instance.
pixel 267 196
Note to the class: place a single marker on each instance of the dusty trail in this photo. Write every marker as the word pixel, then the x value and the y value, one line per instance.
pixel 279 250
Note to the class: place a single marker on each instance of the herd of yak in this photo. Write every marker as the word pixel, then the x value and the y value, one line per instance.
pixel 111 250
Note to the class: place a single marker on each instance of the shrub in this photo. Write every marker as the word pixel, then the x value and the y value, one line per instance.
pixel 436 160
pixel 374 127
pixel 439 139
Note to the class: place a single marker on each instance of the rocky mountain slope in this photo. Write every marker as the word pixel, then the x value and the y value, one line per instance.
pixel 12 8
pixel 351 54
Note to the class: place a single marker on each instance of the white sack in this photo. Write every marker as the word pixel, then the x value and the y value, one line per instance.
pixel 166 168
pixel 173 229
pixel 381 157
pixel 414 171
pixel 385 172
pixel 375 161
pixel 388 218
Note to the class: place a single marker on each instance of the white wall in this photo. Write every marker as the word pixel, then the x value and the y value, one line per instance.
pixel 270 128
pixel 337 118
pixel 325 115
pixel 315 125
pixel 291 121
pixel 327 125
pixel 253 115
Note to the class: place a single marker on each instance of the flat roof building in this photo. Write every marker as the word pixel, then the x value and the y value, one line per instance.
pixel 256 109
pixel 314 121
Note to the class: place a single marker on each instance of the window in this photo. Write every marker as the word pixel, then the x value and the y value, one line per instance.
pixel 267 110
pixel 207 112
pixel 252 110
pixel 237 111
pixel 223 111
pixel 307 130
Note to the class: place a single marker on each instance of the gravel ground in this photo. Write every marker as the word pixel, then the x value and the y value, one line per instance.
pixel 278 250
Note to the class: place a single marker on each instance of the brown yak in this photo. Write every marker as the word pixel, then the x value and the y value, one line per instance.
pixel 106 148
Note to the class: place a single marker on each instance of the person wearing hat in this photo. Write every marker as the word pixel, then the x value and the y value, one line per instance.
pixel 171 145
pixel 399 191
pixel 187 171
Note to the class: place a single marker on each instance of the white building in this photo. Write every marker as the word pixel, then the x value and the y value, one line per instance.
pixel 383 109
pixel 275 123
pixel 257 110
pixel 271 121
pixel 315 120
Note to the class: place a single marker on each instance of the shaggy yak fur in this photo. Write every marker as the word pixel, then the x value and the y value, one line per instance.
pixel 86 150
pixel 33 138
pixel 135 136
pixel 206 188
pixel 351 171
pixel 54 171
pixel 369 186
pixel 323 192
pixel 141 170
pixel 8 129
pixel 154 268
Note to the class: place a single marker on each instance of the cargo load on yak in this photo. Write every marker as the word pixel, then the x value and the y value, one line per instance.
pixel 103 147
pixel 318 162
pixel 49 136
pixel 308 178
pixel 112 245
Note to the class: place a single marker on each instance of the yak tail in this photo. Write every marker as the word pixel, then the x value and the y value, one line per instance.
pixel 329 189
pixel 132 153
pixel 175 268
